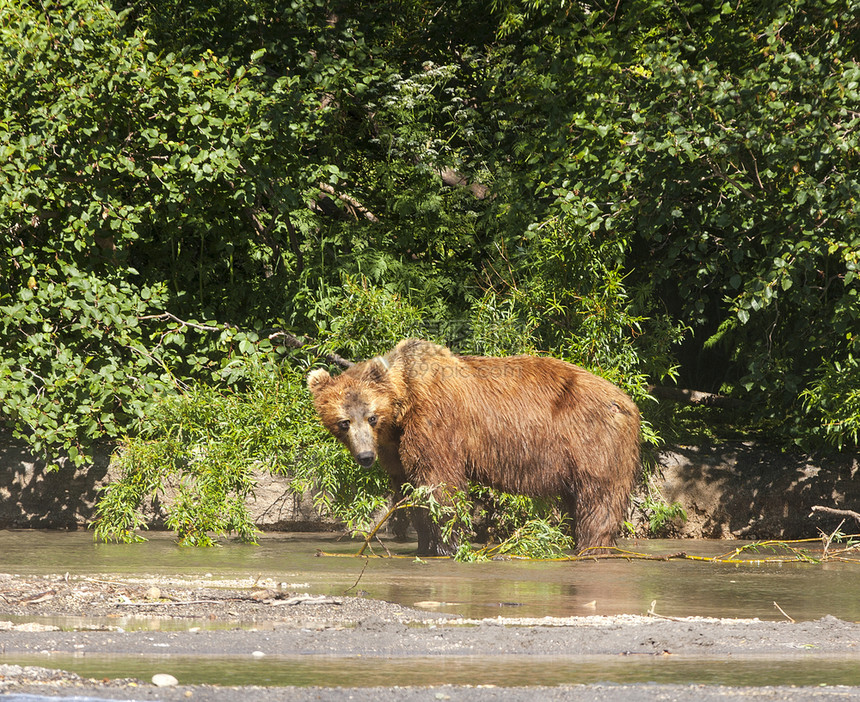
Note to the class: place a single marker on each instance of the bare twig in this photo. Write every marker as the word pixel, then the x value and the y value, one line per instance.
pixel 288 339
pixel 358 579
pixel 692 397
pixel 720 173
pixel 167 603
pixel 297 342
pixel 829 539
pixel 453 179
pixel 652 613
pixel 783 612
pixel 105 582
pixel 184 323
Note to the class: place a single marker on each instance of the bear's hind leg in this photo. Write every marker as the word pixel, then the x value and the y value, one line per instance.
pixel 596 519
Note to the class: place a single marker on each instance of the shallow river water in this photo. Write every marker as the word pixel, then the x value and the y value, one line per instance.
pixel 679 588
pixel 803 591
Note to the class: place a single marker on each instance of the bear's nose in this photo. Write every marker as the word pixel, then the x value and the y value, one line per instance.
pixel 365 458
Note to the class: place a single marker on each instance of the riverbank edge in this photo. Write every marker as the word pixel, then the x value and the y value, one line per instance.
pixel 730 490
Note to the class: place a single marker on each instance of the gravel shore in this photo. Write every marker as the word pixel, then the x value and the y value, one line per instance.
pixel 59 616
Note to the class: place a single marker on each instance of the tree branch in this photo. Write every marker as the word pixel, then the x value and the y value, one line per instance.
pixel 351 201
pixel 451 178
pixel 297 342
pixel 291 340
pixel 692 397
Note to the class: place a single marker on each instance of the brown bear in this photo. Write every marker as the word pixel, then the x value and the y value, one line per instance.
pixel 523 424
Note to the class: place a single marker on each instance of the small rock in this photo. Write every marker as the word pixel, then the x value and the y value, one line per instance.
pixel 258 654
pixel 164 680
pixel 153 593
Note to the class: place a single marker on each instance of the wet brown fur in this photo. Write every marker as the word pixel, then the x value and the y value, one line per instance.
pixel 523 424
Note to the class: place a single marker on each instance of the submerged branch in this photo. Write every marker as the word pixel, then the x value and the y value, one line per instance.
pixel 794 555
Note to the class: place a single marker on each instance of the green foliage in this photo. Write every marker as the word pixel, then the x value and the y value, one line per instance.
pixel 660 513
pixel 197 451
pixel 369 320
pixel 834 399
pixel 76 366
pixel 103 140
pixel 721 153
pixel 535 538
pixel 659 192
pixel 524 533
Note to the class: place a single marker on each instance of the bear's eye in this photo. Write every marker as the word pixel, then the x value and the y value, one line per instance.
pixel 343 425
pixel 372 419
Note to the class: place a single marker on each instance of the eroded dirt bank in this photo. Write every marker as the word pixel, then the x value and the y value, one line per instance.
pixel 254 623
pixel 730 490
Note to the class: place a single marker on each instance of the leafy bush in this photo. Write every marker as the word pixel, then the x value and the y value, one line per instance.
pixel 834 399
pixel 197 451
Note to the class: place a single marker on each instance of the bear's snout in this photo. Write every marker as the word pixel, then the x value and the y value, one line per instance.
pixel 365 458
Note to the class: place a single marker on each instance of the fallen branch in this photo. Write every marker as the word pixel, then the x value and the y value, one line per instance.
pixel 692 397
pixel 795 555
pixel 401 504
pixel 838 512
pixel 305 599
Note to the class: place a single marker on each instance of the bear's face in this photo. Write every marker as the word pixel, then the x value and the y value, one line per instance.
pixel 355 409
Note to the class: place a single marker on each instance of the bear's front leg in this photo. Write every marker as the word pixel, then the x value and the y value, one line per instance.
pixel 400 519
pixel 430 541
pixel 436 464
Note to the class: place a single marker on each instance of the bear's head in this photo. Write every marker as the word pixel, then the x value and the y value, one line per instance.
pixel 357 406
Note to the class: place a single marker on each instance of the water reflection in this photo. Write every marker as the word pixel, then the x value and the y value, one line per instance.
pixel 507 671
pixel 509 589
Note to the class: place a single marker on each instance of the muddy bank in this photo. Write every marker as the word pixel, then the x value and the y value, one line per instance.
pixel 744 491
pixel 730 490
pixel 250 624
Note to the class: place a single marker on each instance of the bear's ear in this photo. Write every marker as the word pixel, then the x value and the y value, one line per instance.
pixel 377 369
pixel 318 379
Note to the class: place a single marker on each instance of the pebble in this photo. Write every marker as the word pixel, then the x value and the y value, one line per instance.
pixel 164 680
